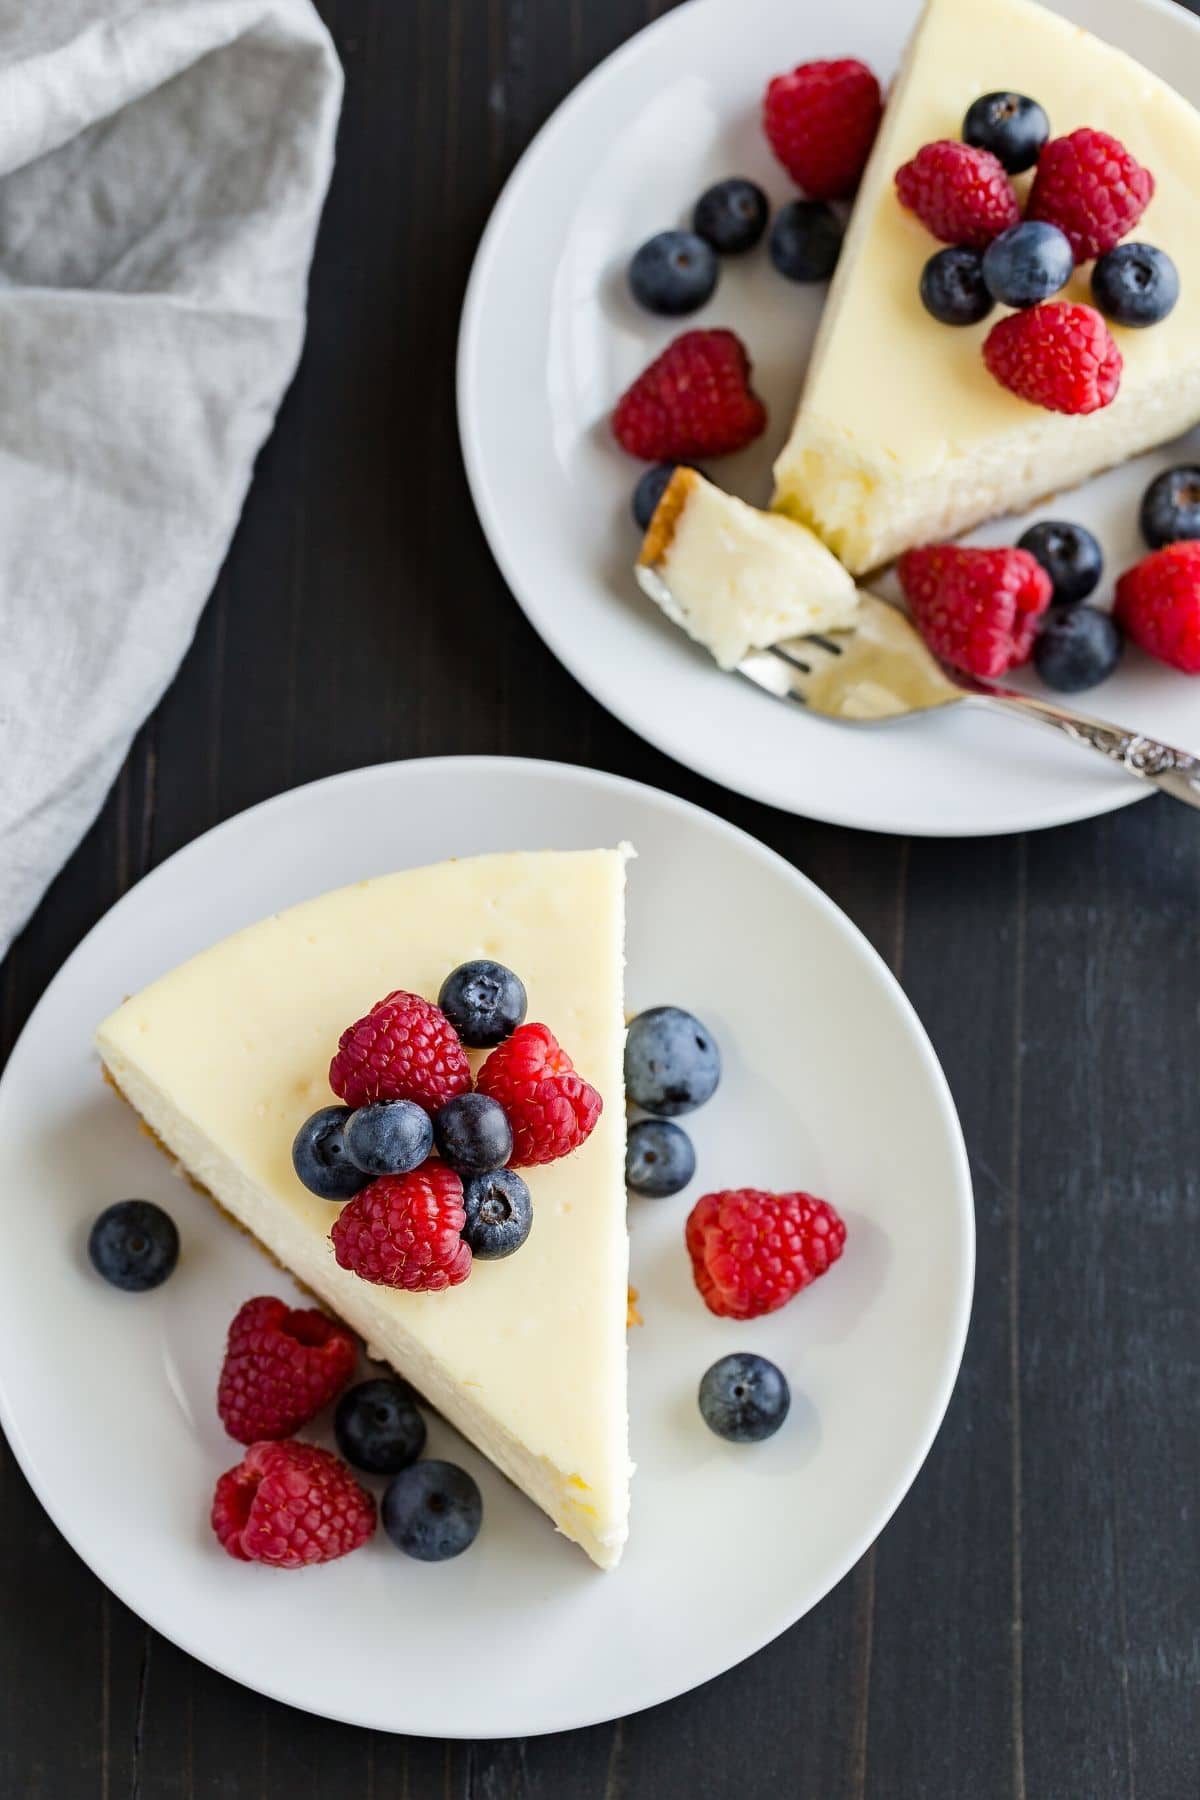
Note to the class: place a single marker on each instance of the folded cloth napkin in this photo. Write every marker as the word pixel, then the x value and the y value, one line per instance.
pixel 162 169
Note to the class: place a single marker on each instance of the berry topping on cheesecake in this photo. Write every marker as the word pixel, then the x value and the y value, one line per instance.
pixel 552 1110
pixel 1060 356
pixel 405 1048
pixel 405 1231
pixel 290 1505
pixel 961 194
pixel 821 121
pixel 976 609
pixel 281 1367
pixel 1092 188
pixel 693 401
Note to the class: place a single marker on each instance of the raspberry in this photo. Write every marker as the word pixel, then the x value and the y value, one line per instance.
pixel 1060 356
pixel 694 400
pixel 551 1109
pixel 281 1367
pixel 1092 189
pixel 404 1049
pixel 821 121
pixel 1158 603
pixel 290 1505
pixel 403 1231
pixel 976 609
pixel 961 194
pixel 752 1251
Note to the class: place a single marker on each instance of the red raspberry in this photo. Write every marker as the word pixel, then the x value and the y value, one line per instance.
pixel 290 1505
pixel 404 1049
pixel 976 609
pixel 1158 603
pixel 752 1251
pixel 821 121
pixel 694 400
pixel 961 194
pixel 1060 356
pixel 281 1367
pixel 1092 189
pixel 402 1231
pixel 551 1109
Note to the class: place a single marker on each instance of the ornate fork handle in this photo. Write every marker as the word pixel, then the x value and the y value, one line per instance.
pixel 1177 772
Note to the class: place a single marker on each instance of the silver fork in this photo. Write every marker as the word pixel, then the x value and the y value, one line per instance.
pixel 881 670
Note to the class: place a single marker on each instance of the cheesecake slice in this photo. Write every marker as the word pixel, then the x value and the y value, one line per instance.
pixel 227 1055
pixel 902 436
pixel 737 579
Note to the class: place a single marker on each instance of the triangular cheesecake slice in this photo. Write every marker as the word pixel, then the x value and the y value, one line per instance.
pixel 902 435
pixel 227 1055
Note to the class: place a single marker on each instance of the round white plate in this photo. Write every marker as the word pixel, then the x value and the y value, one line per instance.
pixel 830 1083
pixel 550 338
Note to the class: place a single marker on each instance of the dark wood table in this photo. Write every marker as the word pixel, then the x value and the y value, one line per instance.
pixel 1025 1628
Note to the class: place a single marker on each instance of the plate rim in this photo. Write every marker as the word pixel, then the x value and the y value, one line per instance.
pixel 509 562
pixel 923 1049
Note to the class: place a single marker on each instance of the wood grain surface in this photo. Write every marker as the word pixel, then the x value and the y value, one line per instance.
pixel 1025 1629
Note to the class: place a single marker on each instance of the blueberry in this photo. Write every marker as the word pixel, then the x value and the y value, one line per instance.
pixel 659 1158
pixel 673 273
pixel 953 288
pixel 378 1427
pixel 484 1001
pixel 744 1398
pixel 1076 648
pixel 1012 126
pixel 1070 556
pixel 1171 506
pixel 651 487
pixel 672 1064
pixel 389 1137
pixel 1135 284
pixel 499 1209
pixel 473 1134
pixel 806 240
pixel 1027 263
pixel 134 1245
pixel 320 1158
pixel 432 1511
pixel 731 216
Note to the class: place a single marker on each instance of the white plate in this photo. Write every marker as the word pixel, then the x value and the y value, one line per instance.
pixel 550 339
pixel 830 1083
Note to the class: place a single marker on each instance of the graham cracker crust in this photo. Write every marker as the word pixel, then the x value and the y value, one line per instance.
pixel 675 497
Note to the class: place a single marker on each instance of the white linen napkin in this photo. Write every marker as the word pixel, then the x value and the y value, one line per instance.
pixel 162 169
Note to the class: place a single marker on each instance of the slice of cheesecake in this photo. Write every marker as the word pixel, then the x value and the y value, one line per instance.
pixel 902 435
pixel 737 579
pixel 227 1055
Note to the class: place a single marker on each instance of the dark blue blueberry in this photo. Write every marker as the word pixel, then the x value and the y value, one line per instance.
pixel 484 1001
pixel 744 1398
pixel 659 1158
pixel 1027 263
pixel 320 1158
pixel 378 1427
pixel 650 489
pixel 1171 506
pixel 473 1134
pixel 389 1137
pixel 1012 126
pixel 432 1511
pixel 672 1064
pixel 953 288
pixel 731 216
pixel 499 1211
pixel 1070 556
pixel 806 240
pixel 674 272
pixel 1135 284
pixel 1076 648
pixel 134 1245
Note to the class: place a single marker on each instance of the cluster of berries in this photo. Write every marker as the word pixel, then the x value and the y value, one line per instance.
pixel 413 1219
pixel 1087 193
pixel 986 611
pixel 696 399
pixel 290 1504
